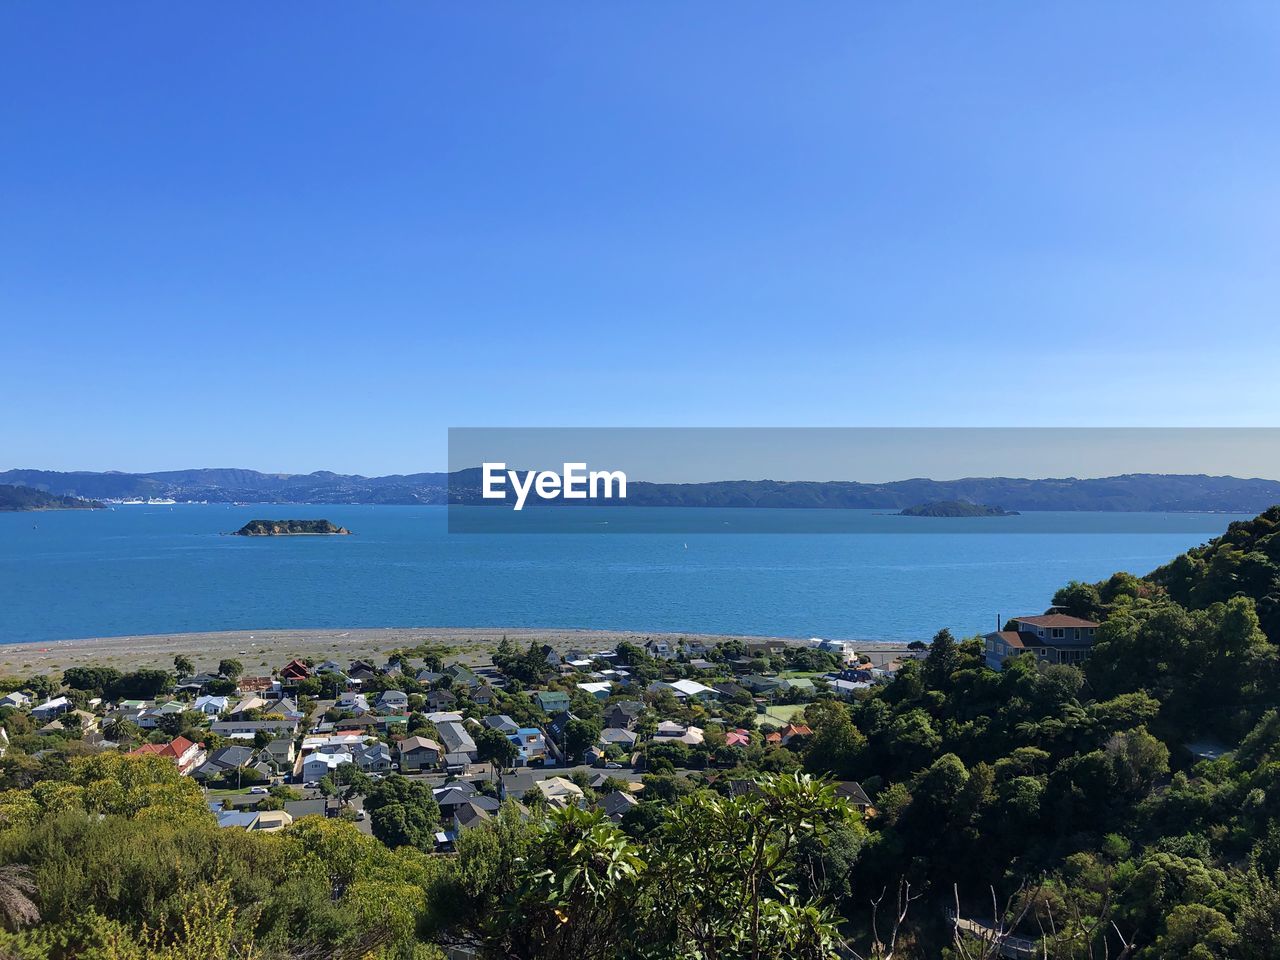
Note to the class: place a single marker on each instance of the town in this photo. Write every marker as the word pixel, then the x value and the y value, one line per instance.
pixel 538 726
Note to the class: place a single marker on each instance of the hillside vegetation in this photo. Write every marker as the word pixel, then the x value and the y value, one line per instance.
pixel 291 528
pixel 28 498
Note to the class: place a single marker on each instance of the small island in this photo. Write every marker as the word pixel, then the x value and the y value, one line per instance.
pixel 291 528
pixel 955 508
pixel 13 497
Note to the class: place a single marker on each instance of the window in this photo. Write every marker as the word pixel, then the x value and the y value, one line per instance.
pixel 1058 633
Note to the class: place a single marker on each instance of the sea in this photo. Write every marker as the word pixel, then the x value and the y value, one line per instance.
pixel 146 569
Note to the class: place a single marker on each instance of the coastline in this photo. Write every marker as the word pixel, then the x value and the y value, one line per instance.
pixel 260 650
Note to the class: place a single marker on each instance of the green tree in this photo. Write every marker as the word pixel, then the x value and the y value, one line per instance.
pixel 579 734
pixel 403 813
pixel 495 746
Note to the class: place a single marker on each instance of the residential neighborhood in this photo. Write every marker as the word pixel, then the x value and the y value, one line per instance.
pixel 527 725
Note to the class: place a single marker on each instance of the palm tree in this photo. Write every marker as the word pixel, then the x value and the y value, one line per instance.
pixel 17 909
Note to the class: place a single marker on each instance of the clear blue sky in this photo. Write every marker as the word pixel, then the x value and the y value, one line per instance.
pixel 314 235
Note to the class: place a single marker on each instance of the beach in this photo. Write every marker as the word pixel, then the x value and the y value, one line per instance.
pixel 260 651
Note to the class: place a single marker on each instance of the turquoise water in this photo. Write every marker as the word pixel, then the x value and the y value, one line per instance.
pixel 143 569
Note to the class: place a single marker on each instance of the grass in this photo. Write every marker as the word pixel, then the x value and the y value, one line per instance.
pixel 780 713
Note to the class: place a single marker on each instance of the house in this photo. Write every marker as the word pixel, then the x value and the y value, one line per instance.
pixel 623 713
pixel 197 683
pixel 617 736
pixel 50 709
pixel 851 792
pixel 482 695
pixel 847 689
pixel 743 788
pixel 444 716
pixel 429 677
pixel 551 701
pixel 247 706
pixel 560 792
pixel 671 731
pixel 470 815
pixel 223 760
pixel 616 804
pixel 458 762
pixel 789 733
pixel 532 744
pixel 738 738
pixel 306 808
pixel 694 648
pixel 259 685
pixel 317 765
pixel 185 754
pixel 760 684
pixel 598 690
pixel 684 689
pixel 352 702
pixel 17 699
pixel 661 649
pixel 337 743
pixel 392 701
pixel 844 649
pixel 502 723
pixel 279 753
pixel 87 721
pixel 294 670
pixel 440 700
pixel 419 753
pixel 268 821
pixel 284 707
pixel 455 739
pixel 246 729
pixel 210 706
pixel 766 648
pixel 373 758
pixel 1053 638
pixel 555 727
pixel 729 690
pixel 349 724
pixel 462 676
pixel 150 719
pixel 798 687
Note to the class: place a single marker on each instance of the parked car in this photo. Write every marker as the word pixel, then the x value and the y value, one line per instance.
pixel 259 790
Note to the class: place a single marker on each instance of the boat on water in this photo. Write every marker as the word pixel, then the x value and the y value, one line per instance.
pixel 161 501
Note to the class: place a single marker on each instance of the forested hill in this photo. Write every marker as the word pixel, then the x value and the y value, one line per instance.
pixel 1200 634
pixel 25 498
pixel 1243 562
pixel 1131 492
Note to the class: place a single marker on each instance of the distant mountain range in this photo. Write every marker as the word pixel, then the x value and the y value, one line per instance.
pixel 1131 492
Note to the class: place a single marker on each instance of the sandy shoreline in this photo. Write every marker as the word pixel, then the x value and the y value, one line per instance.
pixel 261 650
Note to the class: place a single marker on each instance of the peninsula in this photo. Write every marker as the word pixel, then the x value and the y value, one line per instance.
pixel 955 508
pixel 291 528
pixel 14 497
